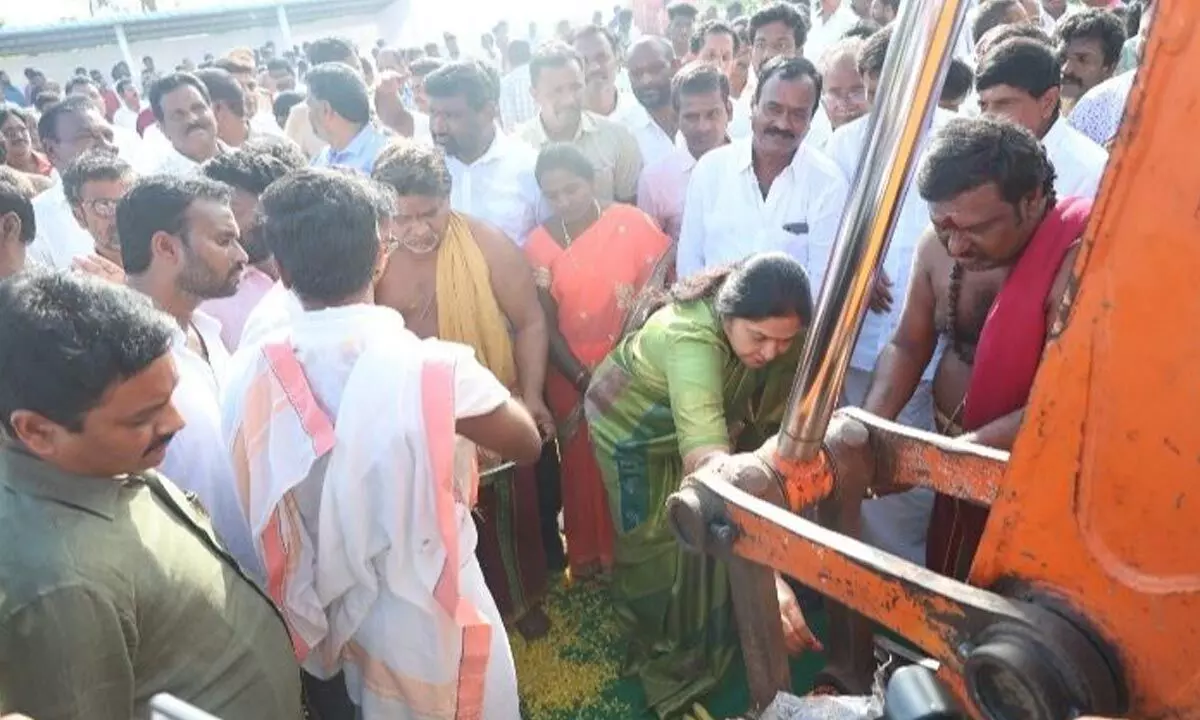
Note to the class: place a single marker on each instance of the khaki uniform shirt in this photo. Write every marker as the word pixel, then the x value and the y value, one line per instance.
pixel 112 591
pixel 609 146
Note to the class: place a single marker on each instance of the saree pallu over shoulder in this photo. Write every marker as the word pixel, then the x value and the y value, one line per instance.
pixel 391 594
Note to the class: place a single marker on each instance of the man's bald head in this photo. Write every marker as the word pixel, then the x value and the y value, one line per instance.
pixel 652 66
pixel 652 44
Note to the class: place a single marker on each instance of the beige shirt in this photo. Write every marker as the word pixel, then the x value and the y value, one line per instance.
pixel 611 148
pixel 300 131
pixel 114 590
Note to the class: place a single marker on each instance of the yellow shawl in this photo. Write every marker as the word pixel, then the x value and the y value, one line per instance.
pixel 467 309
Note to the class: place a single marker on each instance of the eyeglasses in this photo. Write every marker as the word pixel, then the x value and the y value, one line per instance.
pixel 16 132
pixel 103 207
pixel 842 97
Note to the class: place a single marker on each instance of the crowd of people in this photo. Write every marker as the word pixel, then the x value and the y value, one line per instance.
pixel 317 366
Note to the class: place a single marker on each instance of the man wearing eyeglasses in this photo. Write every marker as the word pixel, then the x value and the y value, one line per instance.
pixel 93 185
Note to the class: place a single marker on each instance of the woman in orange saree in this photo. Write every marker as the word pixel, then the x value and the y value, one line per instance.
pixel 591 262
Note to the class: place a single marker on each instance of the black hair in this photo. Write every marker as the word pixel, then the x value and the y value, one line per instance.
pixel 683 9
pixel 72 104
pixel 283 104
pixel 894 5
pixel 412 168
pixel 1001 33
pixel 282 149
pixel 224 88
pixel 598 31
pixel 168 84
pixel 1094 24
pixel 699 80
pixel 519 53
pixel 322 226
pixel 8 110
pixel 422 67
pixel 873 54
pixel 331 50
pixel 863 29
pixel 68 338
pixel 960 80
pixel 714 27
pixel 47 99
pixel 92 165
pixel 467 78
pixel 991 14
pixel 789 68
pixel 250 171
pixel 968 153
pixel 552 55
pixel 16 196
pixel 159 203
pixel 764 285
pixel 780 12
pixel 344 90
pixel 280 64
pixel 1020 63
pixel 123 84
pixel 78 81
pixel 563 156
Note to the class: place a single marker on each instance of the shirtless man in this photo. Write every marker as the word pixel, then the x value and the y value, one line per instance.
pixel 989 277
pixel 976 241
pixel 457 278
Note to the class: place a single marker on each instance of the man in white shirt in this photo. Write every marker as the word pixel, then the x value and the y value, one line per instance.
pixel 179 243
pixel 183 109
pixel 1021 80
pixel 843 94
pixel 94 185
pixel 772 192
pixel 1098 114
pixel 597 48
pixel 701 99
pixel 67 129
pixel 324 418
pixel 896 523
pixel 128 142
pixel 777 30
pixel 126 116
pixel 517 105
pixel 830 21
pixel 492 174
pixel 652 66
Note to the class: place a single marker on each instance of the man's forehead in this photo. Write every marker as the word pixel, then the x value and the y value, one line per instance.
pixel 184 94
pixel 969 206
pixel 106 187
pixel 699 101
pixel 796 89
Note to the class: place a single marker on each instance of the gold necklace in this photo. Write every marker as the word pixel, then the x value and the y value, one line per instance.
pixel 567 233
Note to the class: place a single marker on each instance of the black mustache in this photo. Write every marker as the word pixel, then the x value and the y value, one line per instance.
pixel 159 443
pixel 197 126
pixel 781 133
pixel 1071 79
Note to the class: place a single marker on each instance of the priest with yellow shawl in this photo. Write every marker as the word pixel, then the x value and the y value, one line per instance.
pixel 457 278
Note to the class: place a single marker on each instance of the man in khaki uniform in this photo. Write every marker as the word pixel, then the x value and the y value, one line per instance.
pixel 113 586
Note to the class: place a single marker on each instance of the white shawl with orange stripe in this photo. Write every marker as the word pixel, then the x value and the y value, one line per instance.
pixel 342 432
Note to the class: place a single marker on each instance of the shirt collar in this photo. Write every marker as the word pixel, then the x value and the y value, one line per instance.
pixel 35 477
pixel 746 158
pixel 587 125
pixel 355 146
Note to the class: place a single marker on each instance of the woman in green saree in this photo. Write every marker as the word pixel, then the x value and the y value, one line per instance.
pixel 711 366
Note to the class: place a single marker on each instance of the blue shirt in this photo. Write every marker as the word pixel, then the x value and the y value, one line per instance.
pixel 359 154
pixel 14 95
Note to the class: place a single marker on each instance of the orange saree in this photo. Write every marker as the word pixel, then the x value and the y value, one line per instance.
pixel 594 282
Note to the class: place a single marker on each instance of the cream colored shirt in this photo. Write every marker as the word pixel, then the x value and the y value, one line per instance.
pixel 611 148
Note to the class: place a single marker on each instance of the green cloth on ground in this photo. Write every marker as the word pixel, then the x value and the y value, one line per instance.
pixel 672 387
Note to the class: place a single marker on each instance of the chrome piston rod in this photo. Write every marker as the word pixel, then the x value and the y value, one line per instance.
pixel 923 38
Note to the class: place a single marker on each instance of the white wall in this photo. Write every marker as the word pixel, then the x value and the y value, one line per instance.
pixel 168 53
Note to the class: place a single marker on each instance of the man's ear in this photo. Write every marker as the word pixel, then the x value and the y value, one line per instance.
pixel 35 431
